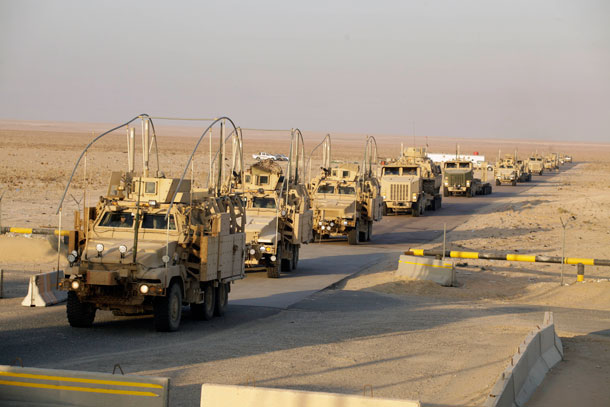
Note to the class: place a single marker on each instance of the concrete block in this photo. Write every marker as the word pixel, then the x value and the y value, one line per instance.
pixel 550 353
pixel 42 290
pixel 51 387
pixel 220 395
pixel 426 268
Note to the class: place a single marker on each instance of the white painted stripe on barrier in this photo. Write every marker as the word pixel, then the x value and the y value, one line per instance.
pixel 221 395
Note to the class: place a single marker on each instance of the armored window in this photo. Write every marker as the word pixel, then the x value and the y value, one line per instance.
pixel 346 190
pixel 117 220
pixel 409 170
pixel 334 173
pixel 157 221
pixel 326 189
pixel 263 202
pixel 391 171
pixel 248 178
pixel 151 187
pixel 263 179
pixel 345 174
pixel 451 165
pixel 464 165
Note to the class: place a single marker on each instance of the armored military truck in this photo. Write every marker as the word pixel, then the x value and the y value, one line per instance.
pixel 536 164
pixel 524 171
pixel 459 179
pixel 278 210
pixel 346 198
pixel 411 183
pixel 153 244
pixel 506 171
pixel 550 162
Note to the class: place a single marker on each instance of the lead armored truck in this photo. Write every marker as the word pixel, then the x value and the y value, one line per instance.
pixel 152 245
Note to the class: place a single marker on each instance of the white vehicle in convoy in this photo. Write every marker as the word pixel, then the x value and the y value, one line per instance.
pixel 263 156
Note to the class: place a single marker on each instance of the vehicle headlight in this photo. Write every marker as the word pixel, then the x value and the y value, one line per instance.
pixel 384 197
pixel 268 249
pixel 283 212
pixel 414 196
pixel 122 249
pixel 468 183
pixel 99 247
pixel 252 251
pixel 144 289
pixel 323 227
pixel 332 224
pixel 71 258
pixel 320 223
pixel 446 183
pixel 262 249
pixel 75 284
pixel 273 258
pixel 165 259
pixel 344 223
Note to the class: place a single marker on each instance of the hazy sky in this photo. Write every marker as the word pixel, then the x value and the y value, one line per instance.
pixel 464 68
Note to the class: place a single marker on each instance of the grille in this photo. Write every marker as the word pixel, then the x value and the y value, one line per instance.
pixel 399 192
pixel 457 179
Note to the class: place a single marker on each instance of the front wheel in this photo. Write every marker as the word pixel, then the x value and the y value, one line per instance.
pixel 416 209
pixel 168 309
pixel 273 268
pixel 295 257
pixel 353 236
pixel 80 314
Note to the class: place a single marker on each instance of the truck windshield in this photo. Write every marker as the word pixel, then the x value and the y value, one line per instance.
pixel 451 165
pixel 326 189
pixel 263 202
pixel 157 221
pixel 464 165
pixel 409 171
pixel 346 190
pixel 117 220
pixel 391 171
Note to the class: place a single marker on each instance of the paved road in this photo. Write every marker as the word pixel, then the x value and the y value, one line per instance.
pixel 325 263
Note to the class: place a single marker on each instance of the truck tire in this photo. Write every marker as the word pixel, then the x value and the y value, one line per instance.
pixel 540 172
pixel 168 309
pixel 222 299
pixel 353 235
pixel 468 193
pixel 80 314
pixel 273 269
pixel 416 209
pixel 369 231
pixel 445 192
pixel 514 183
pixel 439 202
pixel 385 209
pixel 295 257
pixel 498 183
pixel 205 311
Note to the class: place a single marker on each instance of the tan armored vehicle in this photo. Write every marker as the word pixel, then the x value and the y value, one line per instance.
pixel 550 162
pixel 536 164
pixel 459 179
pixel 411 183
pixel 524 171
pixel 506 171
pixel 153 244
pixel 278 210
pixel 346 198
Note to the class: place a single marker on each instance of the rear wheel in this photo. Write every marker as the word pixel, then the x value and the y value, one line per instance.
pixel 205 311
pixel 168 309
pixel 369 231
pixel 498 182
pixel 295 256
pixel 385 209
pixel 416 209
pixel 222 299
pixel 514 183
pixel 469 193
pixel 80 314
pixel 445 192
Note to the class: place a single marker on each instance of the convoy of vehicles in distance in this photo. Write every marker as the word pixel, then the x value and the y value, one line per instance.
pixel 346 198
pixel 411 183
pixel 278 212
pixel 459 179
pixel 153 244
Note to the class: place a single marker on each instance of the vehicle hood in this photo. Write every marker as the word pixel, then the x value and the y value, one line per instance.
pixel 260 228
pixel 150 253
pixel 335 208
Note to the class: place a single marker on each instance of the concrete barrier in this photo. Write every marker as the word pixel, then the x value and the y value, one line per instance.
pixel 426 268
pixel 541 350
pixel 50 387
pixel 217 395
pixel 42 290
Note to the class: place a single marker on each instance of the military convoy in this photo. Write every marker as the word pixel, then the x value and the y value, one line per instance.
pixel 153 244
pixel 346 198
pixel 278 211
pixel 509 170
pixel 459 179
pixel 411 183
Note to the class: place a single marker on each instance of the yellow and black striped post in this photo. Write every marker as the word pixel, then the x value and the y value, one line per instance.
pixel 34 231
